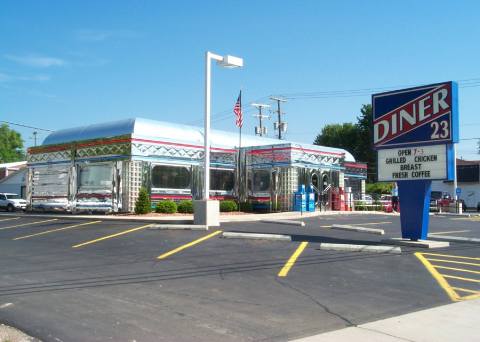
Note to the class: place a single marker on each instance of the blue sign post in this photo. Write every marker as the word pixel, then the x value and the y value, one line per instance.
pixel 414 131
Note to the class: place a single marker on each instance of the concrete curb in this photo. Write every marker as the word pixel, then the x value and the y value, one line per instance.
pixel 418 243
pixel 256 236
pixel 188 219
pixel 453 238
pixel 358 229
pixel 457 215
pixel 359 248
pixel 287 222
pixel 165 220
pixel 177 227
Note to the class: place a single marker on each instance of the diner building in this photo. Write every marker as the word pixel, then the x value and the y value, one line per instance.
pixel 101 167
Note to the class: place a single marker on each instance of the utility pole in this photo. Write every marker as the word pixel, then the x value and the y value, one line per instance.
pixel 35 138
pixel 280 125
pixel 260 129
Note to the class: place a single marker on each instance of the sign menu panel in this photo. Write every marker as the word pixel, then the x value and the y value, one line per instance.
pixel 424 115
pixel 413 163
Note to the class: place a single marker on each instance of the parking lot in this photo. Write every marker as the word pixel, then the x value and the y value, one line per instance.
pixel 97 280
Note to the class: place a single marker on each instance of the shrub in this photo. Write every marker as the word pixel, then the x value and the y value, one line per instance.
pixel 143 205
pixel 246 207
pixel 185 207
pixel 166 207
pixel 226 206
pixel 360 206
pixel 378 188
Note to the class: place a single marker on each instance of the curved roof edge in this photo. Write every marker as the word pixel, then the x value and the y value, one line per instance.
pixel 146 128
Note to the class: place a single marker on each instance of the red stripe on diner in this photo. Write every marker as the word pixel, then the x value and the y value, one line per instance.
pixel 171 197
pixel 293 148
pixel 36 150
pixel 358 166
pixel 183 145
pixel 104 142
pixel 259 198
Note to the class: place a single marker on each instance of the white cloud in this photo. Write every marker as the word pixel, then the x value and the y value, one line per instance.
pixel 36 60
pixel 92 35
pixel 10 78
pixel 88 35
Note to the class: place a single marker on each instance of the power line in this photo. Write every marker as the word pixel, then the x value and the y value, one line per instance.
pixel 26 126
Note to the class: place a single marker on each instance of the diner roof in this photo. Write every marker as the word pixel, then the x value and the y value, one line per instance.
pixel 167 131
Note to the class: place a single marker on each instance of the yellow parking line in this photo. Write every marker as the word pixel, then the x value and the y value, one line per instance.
pixel 450 232
pixel 9 219
pixel 451 256
pixel 466 290
pixel 461 278
pixel 111 236
pixel 291 261
pixel 472 296
pixel 456 269
pixel 190 244
pixel 56 230
pixel 27 224
pixel 454 262
pixel 438 277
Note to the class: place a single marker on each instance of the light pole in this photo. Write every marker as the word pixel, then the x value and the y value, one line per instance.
pixel 227 62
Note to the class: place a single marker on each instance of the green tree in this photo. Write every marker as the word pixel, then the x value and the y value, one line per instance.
pixel 365 151
pixel 11 145
pixel 143 205
pixel 355 138
pixel 338 135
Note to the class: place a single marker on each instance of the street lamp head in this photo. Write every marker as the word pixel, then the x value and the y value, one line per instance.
pixel 231 62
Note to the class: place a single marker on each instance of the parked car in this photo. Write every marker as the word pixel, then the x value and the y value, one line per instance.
pixel 386 199
pixel 439 199
pixel 367 199
pixel 12 202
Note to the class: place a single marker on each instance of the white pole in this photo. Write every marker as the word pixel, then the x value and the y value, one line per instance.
pixel 455 172
pixel 206 133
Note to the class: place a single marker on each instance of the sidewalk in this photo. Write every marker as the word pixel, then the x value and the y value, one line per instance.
pixel 452 322
pixel 188 219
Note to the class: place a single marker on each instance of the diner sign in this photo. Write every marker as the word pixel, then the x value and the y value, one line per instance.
pixel 412 163
pixel 414 131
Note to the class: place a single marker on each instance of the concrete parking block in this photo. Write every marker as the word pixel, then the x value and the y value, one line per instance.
pixel 418 243
pixel 256 236
pixel 287 222
pixel 358 229
pixel 359 248
pixel 177 227
pixel 453 238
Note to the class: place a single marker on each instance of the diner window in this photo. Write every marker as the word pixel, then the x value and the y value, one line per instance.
pixel 170 177
pixel 95 176
pixel 261 180
pixel 222 179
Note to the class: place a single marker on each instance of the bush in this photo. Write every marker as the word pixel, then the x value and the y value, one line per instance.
pixel 143 205
pixel 360 206
pixel 247 207
pixel 226 206
pixel 166 207
pixel 185 207
pixel 378 188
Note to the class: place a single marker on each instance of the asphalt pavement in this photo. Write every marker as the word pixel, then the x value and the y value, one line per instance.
pixel 95 280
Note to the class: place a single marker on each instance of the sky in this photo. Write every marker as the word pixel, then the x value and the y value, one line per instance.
pixel 74 63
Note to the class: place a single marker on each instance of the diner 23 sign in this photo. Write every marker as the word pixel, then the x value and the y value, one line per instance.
pixel 425 115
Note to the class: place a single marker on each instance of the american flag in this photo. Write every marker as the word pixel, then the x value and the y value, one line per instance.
pixel 237 109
